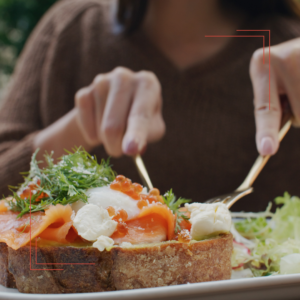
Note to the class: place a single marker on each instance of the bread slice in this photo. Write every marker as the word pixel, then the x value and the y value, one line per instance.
pixel 6 278
pixel 141 266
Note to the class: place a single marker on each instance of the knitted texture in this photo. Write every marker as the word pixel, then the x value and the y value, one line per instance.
pixel 209 145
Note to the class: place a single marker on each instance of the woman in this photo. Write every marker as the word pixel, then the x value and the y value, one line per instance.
pixel 123 66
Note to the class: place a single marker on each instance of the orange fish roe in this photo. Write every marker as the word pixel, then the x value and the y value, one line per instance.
pixel 111 211
pixel 121 230
pixel 124 185
pixel 26 193
pixel 3 205
pixel 31 190
pixel 142 203
pixel 184 236
pixel 120 216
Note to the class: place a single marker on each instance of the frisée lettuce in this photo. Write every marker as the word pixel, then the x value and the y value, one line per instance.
pixel 275 237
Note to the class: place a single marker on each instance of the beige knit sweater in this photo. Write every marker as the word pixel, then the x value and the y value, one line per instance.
pixel 210 141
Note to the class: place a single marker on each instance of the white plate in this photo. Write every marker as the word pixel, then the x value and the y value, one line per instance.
pixel 272 287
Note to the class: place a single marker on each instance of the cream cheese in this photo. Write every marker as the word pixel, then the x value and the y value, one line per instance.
pixel 103 242
pixel 207 219
pixel 92 221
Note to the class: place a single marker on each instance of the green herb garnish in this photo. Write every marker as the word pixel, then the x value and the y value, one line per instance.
pixel 63 183
pixel 170 200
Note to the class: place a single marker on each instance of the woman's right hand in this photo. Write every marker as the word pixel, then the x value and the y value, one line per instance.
pixel 121 110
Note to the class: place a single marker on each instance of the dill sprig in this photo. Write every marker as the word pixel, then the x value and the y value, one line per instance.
pixel 63 183
pixel 170 200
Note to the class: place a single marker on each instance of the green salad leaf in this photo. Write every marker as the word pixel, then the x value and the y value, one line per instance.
pixel 274 238
pixel 63 183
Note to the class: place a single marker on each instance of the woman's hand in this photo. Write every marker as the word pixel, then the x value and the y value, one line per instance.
pixel 285 80
pixel 122 111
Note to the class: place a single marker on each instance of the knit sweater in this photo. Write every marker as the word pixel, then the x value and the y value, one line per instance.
pixel 209 145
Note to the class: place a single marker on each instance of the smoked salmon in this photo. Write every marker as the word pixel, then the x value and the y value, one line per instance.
pixel 149 229
pixel 164 212
pixel 53 224
pixel 155 223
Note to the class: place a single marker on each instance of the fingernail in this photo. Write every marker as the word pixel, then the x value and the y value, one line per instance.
pixel 267 146
pixel 131 147
pixel 143 150
pixel 134 146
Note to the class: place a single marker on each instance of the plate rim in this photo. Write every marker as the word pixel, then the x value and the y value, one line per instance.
pixel 199 289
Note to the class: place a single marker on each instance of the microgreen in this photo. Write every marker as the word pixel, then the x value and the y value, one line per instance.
pixel 174 205
pixel 63 183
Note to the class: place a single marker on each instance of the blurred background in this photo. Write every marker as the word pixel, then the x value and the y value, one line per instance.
pixel 17 20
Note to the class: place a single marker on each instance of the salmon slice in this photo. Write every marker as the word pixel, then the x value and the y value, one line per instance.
pixel 148 229
pixel 155 223
pixel 53 224
pixel 184 224
pixel 165 212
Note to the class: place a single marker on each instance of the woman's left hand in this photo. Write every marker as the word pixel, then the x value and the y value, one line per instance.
pixel 284 80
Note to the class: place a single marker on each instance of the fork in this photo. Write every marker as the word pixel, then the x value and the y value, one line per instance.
pixel 246 187
pixel 142 171
pixel 228 199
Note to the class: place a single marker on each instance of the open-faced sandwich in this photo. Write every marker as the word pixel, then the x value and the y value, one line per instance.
pixel 76 227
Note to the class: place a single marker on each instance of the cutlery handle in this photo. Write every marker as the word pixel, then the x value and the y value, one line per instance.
pixel 262 160
pixel 142 171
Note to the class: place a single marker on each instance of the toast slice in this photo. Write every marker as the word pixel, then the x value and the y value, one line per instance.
pixel 139 266
pixel 6 278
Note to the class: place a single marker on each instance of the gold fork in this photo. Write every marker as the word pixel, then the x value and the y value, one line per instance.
pixel 228 199
pixel 143 171
pixel 246 187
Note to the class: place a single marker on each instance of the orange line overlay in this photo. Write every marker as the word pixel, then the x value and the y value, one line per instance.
pixel 266 30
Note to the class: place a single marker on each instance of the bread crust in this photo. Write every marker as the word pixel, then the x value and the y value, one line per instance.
pixel 78 277
pixel 143 266
pixel 172 263
pixel 6 278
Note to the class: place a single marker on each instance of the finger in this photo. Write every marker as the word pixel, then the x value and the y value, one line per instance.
pixel 85 105
pixel 145 103
pixel 289 73
pixel 100 92
pixel 267 117
pixel 157 127
pixel 116 110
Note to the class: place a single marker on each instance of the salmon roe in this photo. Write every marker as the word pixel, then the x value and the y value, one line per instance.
pixel 121 229
pixel 134 190
pixel 142 203
pixel 31 189
pixel 124 185
pixel 111 211
pixel 120 216
pixel 184 236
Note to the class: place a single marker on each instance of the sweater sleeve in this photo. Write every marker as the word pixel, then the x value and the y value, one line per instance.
pixel 19 114
pixel 21 110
